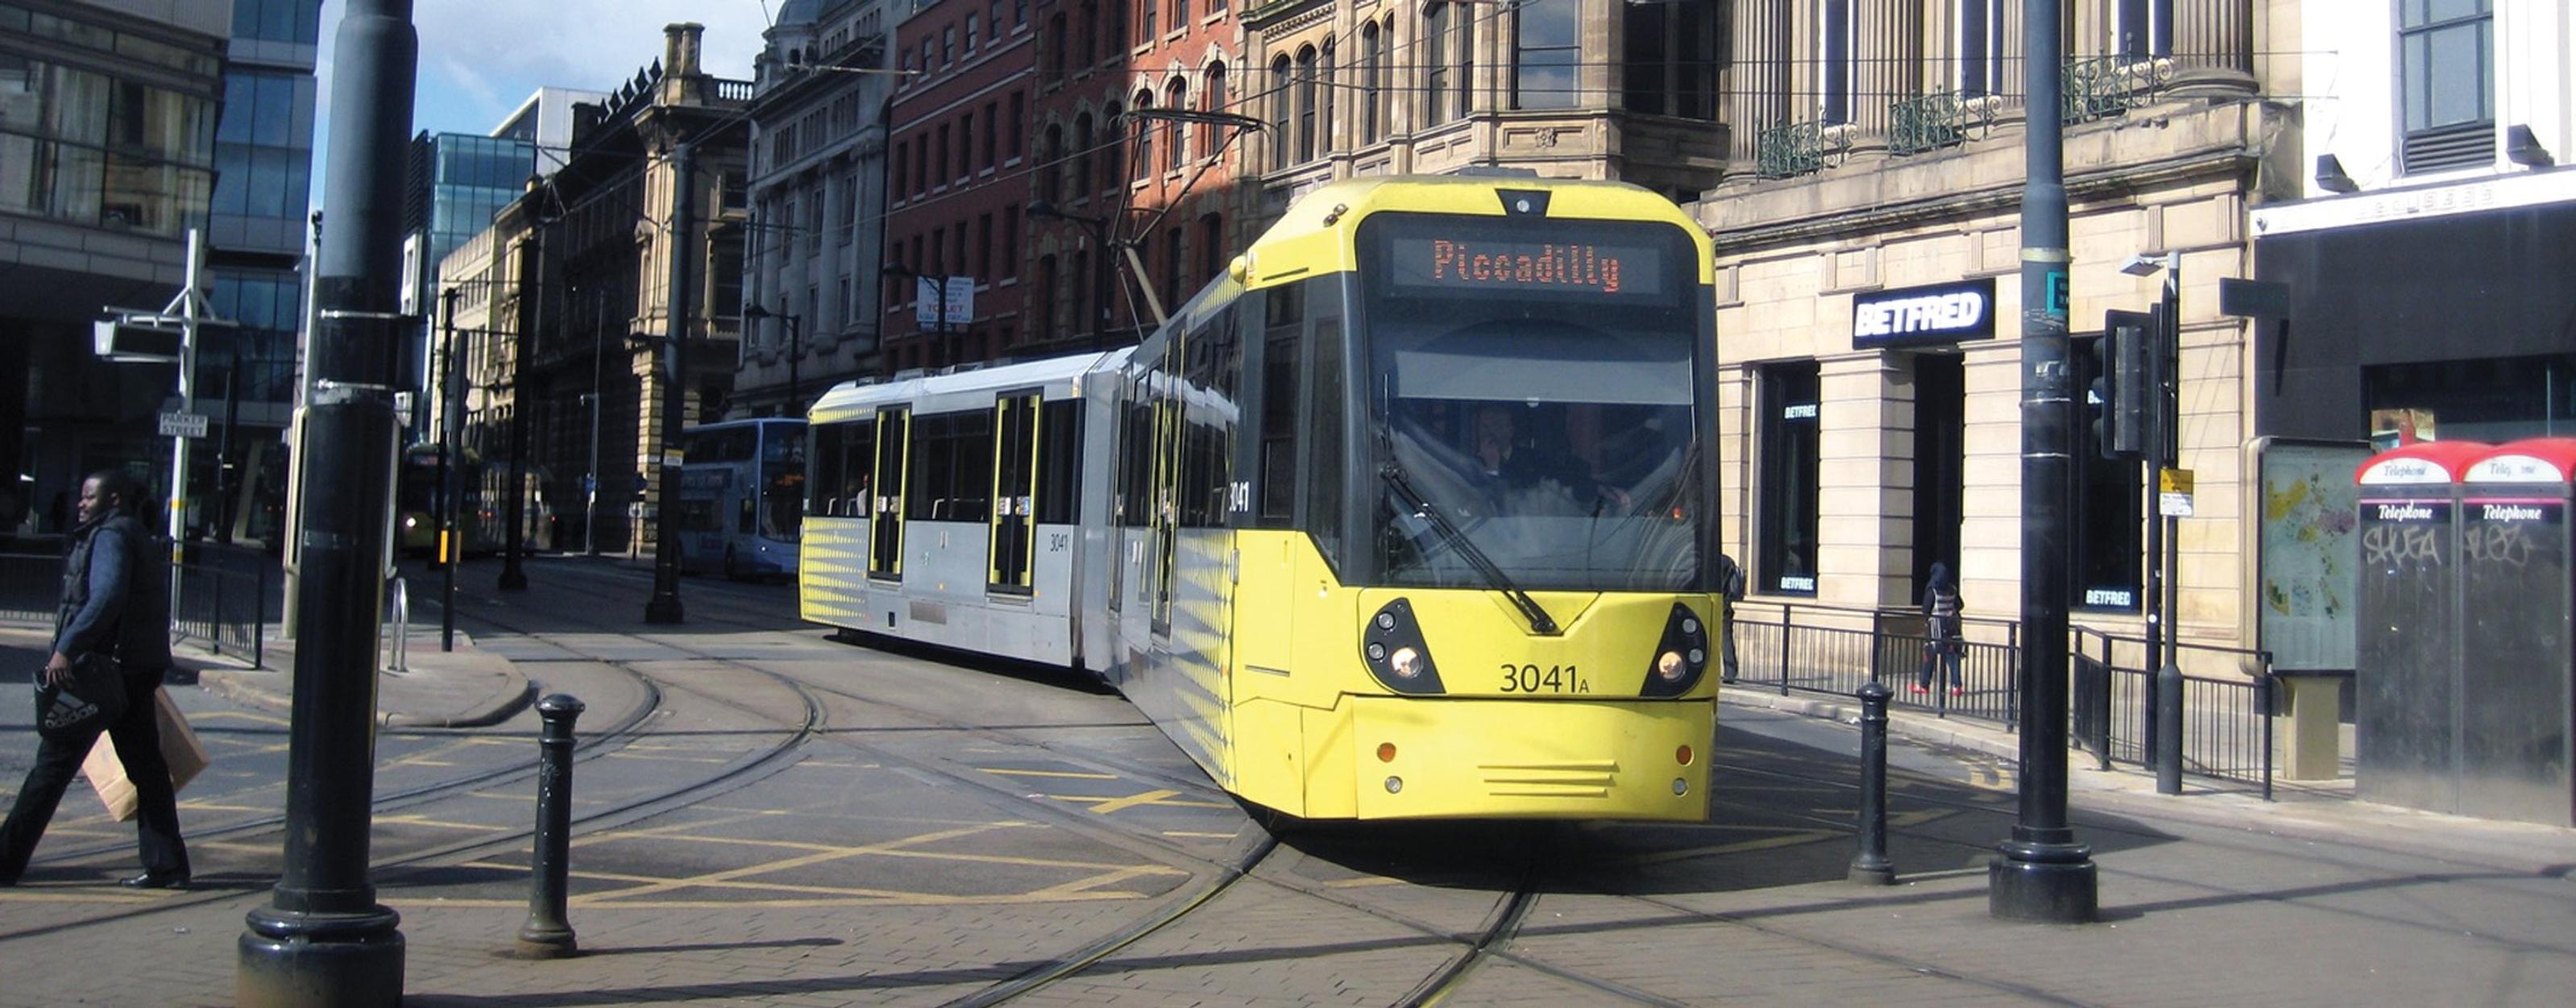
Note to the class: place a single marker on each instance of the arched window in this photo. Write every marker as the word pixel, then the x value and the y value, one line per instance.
pixel 1282 114
pixel 1211 135
pixel 1144 167
pixel 1081 155
pixel 1306 104
pixel 1178 97
pixel 1372 62
pixel 1435 64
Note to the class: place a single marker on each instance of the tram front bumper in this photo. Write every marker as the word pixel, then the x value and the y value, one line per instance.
pixel 1555 759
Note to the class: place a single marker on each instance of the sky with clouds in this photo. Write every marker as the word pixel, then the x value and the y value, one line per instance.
pixel 479 58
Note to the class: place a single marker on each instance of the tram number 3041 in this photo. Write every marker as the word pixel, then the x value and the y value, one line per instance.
pixel 1552 679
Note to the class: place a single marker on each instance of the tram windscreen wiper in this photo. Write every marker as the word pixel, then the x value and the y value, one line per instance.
pixel 1540 622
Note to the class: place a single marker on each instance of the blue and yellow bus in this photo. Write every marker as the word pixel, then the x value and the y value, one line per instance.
pixel 742 494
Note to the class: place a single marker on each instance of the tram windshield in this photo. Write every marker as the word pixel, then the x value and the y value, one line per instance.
pixel 1534 382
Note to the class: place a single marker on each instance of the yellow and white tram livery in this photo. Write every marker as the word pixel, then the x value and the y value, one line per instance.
pixel 1410 514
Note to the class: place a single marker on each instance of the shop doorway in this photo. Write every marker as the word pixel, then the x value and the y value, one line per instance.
pixel 1940 422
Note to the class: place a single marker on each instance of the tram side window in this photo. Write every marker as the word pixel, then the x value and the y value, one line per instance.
pixel 1324 405
pixel 952 468
pixel 1212 370
pixel 828 439
pixel 1059 462
pixel 842 456
pixel 1135 455
pixel 1278 435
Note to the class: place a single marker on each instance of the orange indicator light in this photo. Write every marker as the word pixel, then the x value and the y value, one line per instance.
pixel 1682 755
pixel 1386 752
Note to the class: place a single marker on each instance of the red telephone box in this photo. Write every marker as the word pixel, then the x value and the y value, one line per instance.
pixel 2519 679
pixel 2406 653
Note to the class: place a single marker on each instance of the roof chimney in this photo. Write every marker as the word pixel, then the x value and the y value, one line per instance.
pixel 680 48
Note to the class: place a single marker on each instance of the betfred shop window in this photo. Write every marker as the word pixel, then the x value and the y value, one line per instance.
pixel 2109 544
pixel 1788 439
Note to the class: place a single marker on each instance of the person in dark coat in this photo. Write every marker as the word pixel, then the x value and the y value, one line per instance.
pixel 115 603
pixel 1942 644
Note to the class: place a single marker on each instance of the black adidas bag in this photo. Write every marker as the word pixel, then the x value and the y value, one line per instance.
pixel 93 699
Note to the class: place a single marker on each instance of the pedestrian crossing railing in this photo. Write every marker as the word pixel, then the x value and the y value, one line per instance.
pixel 1820 649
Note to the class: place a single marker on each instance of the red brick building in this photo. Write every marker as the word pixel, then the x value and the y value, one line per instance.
pixel 957 176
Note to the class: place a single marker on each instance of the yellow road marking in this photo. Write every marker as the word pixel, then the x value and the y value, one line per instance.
pixel 23 894
pixel 1202 836
pixel 1078 886
pixel 1048 773
pixel 816 857
pixel 608 901
pixel 1159 796
pixel 421 820
pixel 253 717
pixel 1362 883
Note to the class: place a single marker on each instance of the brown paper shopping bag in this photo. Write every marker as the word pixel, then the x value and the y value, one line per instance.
pixel 179 748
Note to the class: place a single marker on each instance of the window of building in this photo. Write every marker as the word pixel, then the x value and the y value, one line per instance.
pixel 1546 49
pixel 1059 46
pixel 921 177
pixel 297 21
pixel 2145 28
pixel 1212 249
pixel 1087 51
pixel 2108 546
pixel 1282 110
pixel 899 164
pixel 1113 149
pixel 1172 276
pixel 939 159
pixel 1834 61
pixel 1152 9
pixel 948 46
pixel 1466 47
pixel 2446 67
pixel 1011 240
pixel 1372 67
pixel 1981 47
pixel 1435 64
pixel 1325 93
pixel 1144 135
pixel 1051 165
pixel 1083 320
pixel 1785 522
pixel 996 22
pixel 2495 399
pixel 971 33
pixel 1306 80
pixel 1180 14
pixel 1212 137
pixel 1175 142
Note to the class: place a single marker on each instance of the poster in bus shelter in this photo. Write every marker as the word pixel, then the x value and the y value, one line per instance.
pixel 2308 558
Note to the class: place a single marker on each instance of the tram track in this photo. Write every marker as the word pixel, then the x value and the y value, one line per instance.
pixel 1487 942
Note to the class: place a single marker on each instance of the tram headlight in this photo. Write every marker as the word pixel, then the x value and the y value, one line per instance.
pixel 1397 656
pixel 1681 657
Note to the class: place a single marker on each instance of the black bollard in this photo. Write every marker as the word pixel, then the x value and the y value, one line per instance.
pixel 547 935
pixel 1871 866
pixel 2169 730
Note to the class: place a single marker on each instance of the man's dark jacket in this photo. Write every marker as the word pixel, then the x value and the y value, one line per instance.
pixel 116 594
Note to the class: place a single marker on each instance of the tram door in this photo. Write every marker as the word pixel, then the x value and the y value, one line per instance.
pixel 1013 541
pixel 894 452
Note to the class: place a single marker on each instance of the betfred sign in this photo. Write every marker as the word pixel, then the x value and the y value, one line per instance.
pixel 1916 316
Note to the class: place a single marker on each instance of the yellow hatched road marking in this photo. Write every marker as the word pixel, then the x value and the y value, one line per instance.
pixel 1201 836
pixel 1159 796
pixel 817 857
pixel 421 820
pixel 1048 773
pixel 1079 886
pixel 254 717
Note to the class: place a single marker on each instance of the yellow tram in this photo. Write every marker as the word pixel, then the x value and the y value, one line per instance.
pixel 1410 514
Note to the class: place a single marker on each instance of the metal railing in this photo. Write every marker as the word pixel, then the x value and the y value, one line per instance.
pixel 1927 122
pixel 1790 150
pixel 1833 650
pixel 224 599
pixel 2099 87
pixel 398 642
pixel 2227 721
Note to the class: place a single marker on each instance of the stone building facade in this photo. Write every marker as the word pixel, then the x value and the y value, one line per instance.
pixel 1876 160
pixel 574 280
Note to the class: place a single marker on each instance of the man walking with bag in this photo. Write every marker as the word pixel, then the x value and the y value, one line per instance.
pixel 115 608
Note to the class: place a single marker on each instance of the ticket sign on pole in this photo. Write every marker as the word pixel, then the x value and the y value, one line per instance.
pixel 2173 493
pixel 183 425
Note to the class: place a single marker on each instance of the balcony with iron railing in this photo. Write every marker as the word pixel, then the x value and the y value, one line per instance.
pixel 2091 88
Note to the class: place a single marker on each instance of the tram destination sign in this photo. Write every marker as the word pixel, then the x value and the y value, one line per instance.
pixel 1471 265
pixel 1919 316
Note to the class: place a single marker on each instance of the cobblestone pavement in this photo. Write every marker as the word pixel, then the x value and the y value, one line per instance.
pixel 769 817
